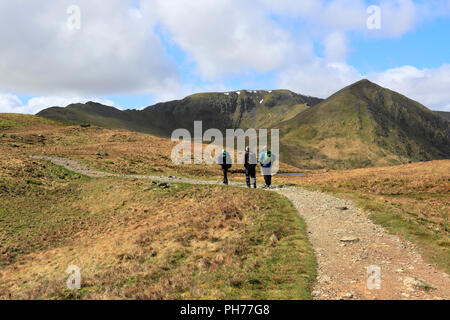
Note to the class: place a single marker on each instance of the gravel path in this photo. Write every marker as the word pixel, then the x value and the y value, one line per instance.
pixel 346 243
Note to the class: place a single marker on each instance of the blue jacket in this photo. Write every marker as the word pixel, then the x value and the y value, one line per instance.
pixel 266 163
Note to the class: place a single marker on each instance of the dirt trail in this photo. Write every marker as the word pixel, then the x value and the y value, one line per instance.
pixel 346 243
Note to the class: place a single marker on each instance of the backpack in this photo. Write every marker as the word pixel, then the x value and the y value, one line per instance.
pixel 267 157
pixel 226 161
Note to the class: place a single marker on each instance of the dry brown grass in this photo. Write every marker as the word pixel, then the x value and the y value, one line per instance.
pixel 131 238
pixel 129 152
pixel 138 241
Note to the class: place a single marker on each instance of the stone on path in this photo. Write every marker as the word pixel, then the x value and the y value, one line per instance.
pixel 349 239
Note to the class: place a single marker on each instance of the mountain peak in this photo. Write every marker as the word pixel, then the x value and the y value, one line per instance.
pixel 364 83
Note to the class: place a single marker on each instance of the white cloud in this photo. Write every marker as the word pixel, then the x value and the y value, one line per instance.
pixel 115 51
pixel 336 47
pixel 398 16
pixel 10 103
pixel 318 78
pixel 428 86
pixel 224 36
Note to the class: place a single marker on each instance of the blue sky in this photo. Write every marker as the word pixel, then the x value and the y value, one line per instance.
pixel 428 46
pixel 132 53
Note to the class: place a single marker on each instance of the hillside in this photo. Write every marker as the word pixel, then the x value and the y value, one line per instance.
pixel 360 126
pixel 364 125
pixel 444 114
pixel 241 109
pixel 132 238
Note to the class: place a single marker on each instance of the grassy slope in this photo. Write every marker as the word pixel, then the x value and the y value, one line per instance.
pixel 444 114
pixel 133 239
pixel 248 109
pixel 364 125
pixel 409 200
pixel 129 152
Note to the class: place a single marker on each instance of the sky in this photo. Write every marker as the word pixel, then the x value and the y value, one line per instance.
pixel 134 53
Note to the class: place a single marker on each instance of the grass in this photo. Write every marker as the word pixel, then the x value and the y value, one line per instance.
pixel 129 152
pixel 409 200
pixel 131 238
pixel 6 124
pixel 25 121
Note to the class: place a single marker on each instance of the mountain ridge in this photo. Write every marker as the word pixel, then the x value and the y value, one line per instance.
pixel 237 109
pixel 361 125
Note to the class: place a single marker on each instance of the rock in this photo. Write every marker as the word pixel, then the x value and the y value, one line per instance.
pixel 41 136
pixel 324 279
pixel 416 283
pixel 315 293
pixel 349 239
pixel 348 295
pixel 163 185
pixel 274 239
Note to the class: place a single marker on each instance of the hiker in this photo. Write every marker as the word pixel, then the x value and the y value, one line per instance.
pixel 266 159
pixel 225 162
pixel 250 167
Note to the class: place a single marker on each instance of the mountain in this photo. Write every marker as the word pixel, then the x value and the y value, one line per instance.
pixel 241 109
pixel 364 125
pixel 444 114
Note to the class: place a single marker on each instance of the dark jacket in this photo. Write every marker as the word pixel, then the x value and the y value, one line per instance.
pixel 225 160
pixel 250 159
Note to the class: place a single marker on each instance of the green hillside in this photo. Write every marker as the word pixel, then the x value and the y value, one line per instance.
pixel 364 125
pixel 444 114
pixel 241 109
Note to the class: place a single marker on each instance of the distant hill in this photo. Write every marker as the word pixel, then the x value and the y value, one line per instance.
pixel 364 125
pixel 360 126
pixel 444 114
pixel 240 109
